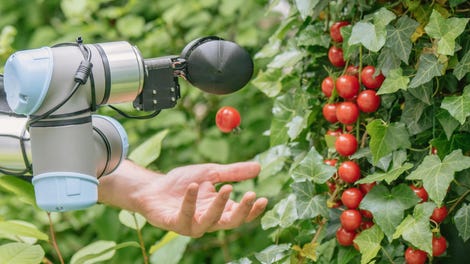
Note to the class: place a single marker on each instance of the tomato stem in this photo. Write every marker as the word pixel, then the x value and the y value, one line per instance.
pixel 53 238
pixel 465 194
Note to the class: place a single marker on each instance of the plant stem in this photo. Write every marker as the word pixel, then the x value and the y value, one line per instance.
pixel 141 240
pixel 458 201
pixel 53 239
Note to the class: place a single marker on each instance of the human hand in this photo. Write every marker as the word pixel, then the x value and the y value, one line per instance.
pixel 186 201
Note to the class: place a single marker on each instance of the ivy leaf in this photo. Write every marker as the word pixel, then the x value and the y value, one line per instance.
pixel 388 176
pixel 437 175
pixel 310 7
pixel 448 123
pixel 273 253
pixel 385 138
pixel 463 67
pixel 369 243
pixel 399 37
pixel 458 106
pixel 462 221
pixel 296 125
pixel 313 168
pixel 269 82
pixel 445 30
pixel 313 35
pixel 394 82
pixel 415 229
pixel 416 115
pixel 372 35
pixel 387 61
pixel 283 214
pixel 287 59
pixel 388 206
pixel 423 92
pixel 308 204
pixel 429 67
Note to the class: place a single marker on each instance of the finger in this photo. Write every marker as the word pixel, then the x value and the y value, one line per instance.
pixel 215 210
pixel 233 172
pixel 188 207
pixel 258 207
pixel 240 213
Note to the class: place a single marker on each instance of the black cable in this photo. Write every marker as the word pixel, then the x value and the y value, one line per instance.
pixel 154 114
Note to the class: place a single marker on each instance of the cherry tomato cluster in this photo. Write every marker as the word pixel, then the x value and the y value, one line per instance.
pixel 349 94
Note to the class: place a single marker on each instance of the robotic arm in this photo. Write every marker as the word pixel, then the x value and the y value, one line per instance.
pixel 58 89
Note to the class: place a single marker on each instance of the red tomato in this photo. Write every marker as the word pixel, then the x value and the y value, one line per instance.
pixel 349 171
pixel 366 214
pixel 366 187
pixel 327 86
pixel 368 101
pixel 345 237
pixel 334 133
pixel 439 246
pixel 439 214
pixel 331 162
pixel 346 144
pixel 227 119
pixel 366 225
pixel 335 55
pixel 352 70
pixel 415 256
pixel 347 113
pixel 369 80
pixel 335 30
pixel 352 197
pixel 420 192
pixel 350 219
pixel 329 112
pixel 347 86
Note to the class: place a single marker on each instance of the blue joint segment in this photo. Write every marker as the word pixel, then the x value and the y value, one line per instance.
pixel 27 78
pixel 65 191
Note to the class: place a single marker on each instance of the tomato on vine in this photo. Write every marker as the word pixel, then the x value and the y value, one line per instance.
pixel 346 144
pixel 439 245
pixel 351 197
pixel 415 256
pixel 349 171
pixel 366 187
pixel 329 112
pixel 350 219
pixel 335 55
pixel 370 79
pixel 327 86
pixel 227 119
pixel 368 101
pixel 347 113
pixel 335 30
pixel 347 86
pixel 352 70
pixel 439 214
pixel 420 192
pixel 345 237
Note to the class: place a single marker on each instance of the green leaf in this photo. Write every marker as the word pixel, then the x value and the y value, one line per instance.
pixel 394 82
pixel 388 176
pixel 463 67
pixel 313 35
pixel 445 30
pixel 214 149
pixel 387 61
pixel 424 93
pixel 283 214
pixel 272 161
pixel 417 115
pixel 437 175
pixel 399 37
pixel 448 123
pixel 428 68
pixel 310 7
pixel 296 126
pixel 385 138
pixel 13 253
pixel 462 221
pixel 286 59
pixel 170 249
pixel 369 243
pixel 132 220
pixel 313 168
pixel 273 253
pixel 268 82
pixel 372 35
pixel 99 251
pixel 131 26
pixel 308 204
pixel 23 189
pixel 415 229
pixel 148 151
pixel 458 106
pixel 388 206
pixel 23 229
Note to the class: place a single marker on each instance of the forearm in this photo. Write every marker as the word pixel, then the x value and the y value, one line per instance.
pixel 120 187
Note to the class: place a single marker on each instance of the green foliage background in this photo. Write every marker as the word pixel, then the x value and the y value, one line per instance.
pixel 423 49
